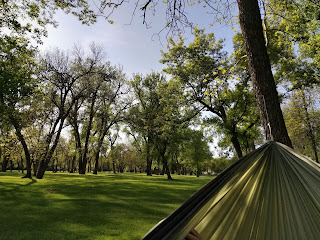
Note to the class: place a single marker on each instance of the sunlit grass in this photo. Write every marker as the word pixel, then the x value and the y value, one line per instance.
pixel 69 206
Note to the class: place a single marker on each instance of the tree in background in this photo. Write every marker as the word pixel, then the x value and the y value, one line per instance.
pixel 159 116
pixel 220 164
pixel 141 117
pixel 302 117
pixel 62 76
pixel 196 150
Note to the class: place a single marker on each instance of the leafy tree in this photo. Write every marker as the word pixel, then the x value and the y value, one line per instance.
pixel 160 116
pixel 100 107
pixel 8 145
pixel 296 22
pixel 20 18
pixel 17 86
pixel 173 117
pixel 203 69
pixel 288 25
pixel 141 116
pixel 220 164
pixel 302 117
pixel 196 150
pixel 112 108
pixel 62 78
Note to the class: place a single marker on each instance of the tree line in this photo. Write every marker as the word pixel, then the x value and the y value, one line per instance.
pixel 46 95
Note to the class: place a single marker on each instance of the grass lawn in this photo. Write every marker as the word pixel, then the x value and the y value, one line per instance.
pixel 65 206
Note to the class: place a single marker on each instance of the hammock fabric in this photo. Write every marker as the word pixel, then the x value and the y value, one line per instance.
pixel 272 193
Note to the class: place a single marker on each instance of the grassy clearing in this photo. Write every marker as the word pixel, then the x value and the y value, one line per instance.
pixel 66 206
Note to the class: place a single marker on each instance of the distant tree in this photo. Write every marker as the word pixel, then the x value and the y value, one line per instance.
pixel 61 75
pixel 302 118
pixel 159 116
pixel 173 117
pixel 196 150
pixel 8 146
pixel 111 110
pixel 141 116
pixel 220 164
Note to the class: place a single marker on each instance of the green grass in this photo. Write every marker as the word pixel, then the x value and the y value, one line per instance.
pixel 72 207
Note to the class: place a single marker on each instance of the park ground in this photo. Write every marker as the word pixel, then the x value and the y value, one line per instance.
pixel 107 206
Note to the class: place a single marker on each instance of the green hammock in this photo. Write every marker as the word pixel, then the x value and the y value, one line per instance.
pixel 272 193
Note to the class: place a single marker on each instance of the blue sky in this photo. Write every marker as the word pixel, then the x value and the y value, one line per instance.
pixel 132 46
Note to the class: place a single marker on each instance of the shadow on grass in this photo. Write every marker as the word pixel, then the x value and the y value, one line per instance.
pixel 108 206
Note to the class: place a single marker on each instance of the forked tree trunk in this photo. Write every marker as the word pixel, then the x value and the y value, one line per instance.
pixel 260 71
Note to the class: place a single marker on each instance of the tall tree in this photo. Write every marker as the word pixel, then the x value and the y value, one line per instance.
pixel 17 86
pixel 159 116
pixel 260 71
pixel 210 82
pixel 142 115
pixel 113 106
pixel 62 77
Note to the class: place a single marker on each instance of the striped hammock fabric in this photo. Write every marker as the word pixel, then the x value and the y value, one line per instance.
pixel 272 193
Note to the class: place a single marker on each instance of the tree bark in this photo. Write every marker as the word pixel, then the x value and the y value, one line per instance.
pixel 236 144
pixel 4 164
pixel 166 168
pixel 260 72
pixel 149 161
pixel 24 145
pixel 22 167
pixel 73 161
pixel 96 162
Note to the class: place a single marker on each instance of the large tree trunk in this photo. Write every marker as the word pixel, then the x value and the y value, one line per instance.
pixel 42 169
pixel 166 167
pixel 260 71
pixel 11 165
